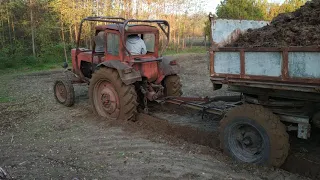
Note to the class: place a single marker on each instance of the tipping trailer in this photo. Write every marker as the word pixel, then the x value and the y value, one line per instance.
pixel 279 88
pixel 279 92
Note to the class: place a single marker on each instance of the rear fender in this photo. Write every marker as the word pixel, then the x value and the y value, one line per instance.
pixel 127 74
pixel 167 68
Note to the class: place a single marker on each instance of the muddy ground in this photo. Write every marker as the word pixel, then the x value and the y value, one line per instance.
pixel 41 139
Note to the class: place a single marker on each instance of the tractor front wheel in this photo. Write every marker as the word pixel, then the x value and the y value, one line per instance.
pixel 172 86
pixel 110 97
pixel 64 92
pixel 253 134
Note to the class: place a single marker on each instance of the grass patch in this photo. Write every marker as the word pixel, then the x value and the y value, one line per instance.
pixel 6 99
pixel 194 49
pixel 4 92
pixel 26 68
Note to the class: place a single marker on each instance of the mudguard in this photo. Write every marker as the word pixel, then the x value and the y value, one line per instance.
pixel 167 68
pixel 127 74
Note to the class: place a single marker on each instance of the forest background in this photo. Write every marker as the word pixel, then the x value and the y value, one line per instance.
pixel 38 34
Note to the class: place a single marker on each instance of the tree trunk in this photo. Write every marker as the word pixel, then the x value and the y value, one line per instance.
pixel 76 33
pixel 32 29
pixel 178 41
pixel 13 29
pixel 63 39
pixel 205 40
pixel 71 34
pixel 9 30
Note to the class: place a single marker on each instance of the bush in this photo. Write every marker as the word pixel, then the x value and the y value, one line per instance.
pixel 19 56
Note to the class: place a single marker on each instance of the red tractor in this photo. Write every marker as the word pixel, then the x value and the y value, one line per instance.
pixel 119 78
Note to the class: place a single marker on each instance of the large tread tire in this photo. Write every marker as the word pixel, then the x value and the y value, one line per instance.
pixel 69 98
pixel 172 86
pixel 263 118
pixel 126 93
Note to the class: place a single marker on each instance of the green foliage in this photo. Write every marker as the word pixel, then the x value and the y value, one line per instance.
pixel 239 9
pixel 255 9
pixel 56 22
pixel 17 57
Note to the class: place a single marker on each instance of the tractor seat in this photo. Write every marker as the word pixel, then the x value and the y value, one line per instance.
pixel 100 42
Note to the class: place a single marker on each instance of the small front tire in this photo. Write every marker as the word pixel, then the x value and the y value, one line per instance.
pixel 64 92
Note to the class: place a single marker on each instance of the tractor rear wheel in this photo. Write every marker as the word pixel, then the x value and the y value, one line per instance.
pixel 110 97
pixel 172 86
pixel 64 92
pixel 253 134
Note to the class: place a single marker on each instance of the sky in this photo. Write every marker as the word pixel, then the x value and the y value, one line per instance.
pixel 212 4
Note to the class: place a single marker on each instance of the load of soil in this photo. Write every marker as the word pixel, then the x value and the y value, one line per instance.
pixel 298 28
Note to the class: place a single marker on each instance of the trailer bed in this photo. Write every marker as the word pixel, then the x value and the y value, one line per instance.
pixel 287 72
pixel 294 69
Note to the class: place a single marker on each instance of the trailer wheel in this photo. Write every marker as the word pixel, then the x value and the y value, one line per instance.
pixel 253 134
pixel 110 97
pixel 172 86
pixel 64 92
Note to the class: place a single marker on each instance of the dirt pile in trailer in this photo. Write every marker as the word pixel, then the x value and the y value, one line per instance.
pixel 298 28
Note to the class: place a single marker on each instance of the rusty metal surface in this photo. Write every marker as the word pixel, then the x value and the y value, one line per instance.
pixel 127 74
pixel 131 28
pixel 269 49
pixel 282 66
pixel 305 94
pixel 204 104
pixel 122 30
pixel 196 106
pixel 267 84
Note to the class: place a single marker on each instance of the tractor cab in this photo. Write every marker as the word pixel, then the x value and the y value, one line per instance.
pixel 139 43
pixel 127 41
pixel 108 40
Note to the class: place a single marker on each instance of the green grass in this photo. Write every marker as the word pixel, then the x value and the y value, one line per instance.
pixel 193 50
pixel 25 68
pixel 6 99
pixel 4 92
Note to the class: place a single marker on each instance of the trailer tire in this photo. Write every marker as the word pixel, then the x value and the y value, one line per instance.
pixel 64 92
pixel 172 86
pixel 253 134
pixel 110 97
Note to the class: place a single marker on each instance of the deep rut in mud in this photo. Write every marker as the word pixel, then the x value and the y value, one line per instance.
pixel 303 159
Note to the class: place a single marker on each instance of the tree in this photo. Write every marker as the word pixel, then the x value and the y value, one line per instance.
pixel 32 29
pixel 240 9
pixel 291 5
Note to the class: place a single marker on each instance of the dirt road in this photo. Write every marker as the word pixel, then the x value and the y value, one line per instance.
pixel 41 139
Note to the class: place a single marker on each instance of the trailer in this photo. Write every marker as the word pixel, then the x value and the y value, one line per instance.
pixel 279 92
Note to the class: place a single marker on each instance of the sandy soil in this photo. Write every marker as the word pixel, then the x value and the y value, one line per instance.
pixel 41 139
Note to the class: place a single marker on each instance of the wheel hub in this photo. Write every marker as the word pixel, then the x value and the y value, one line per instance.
pixel 61 92
pixel 247 143
pixel 106 99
